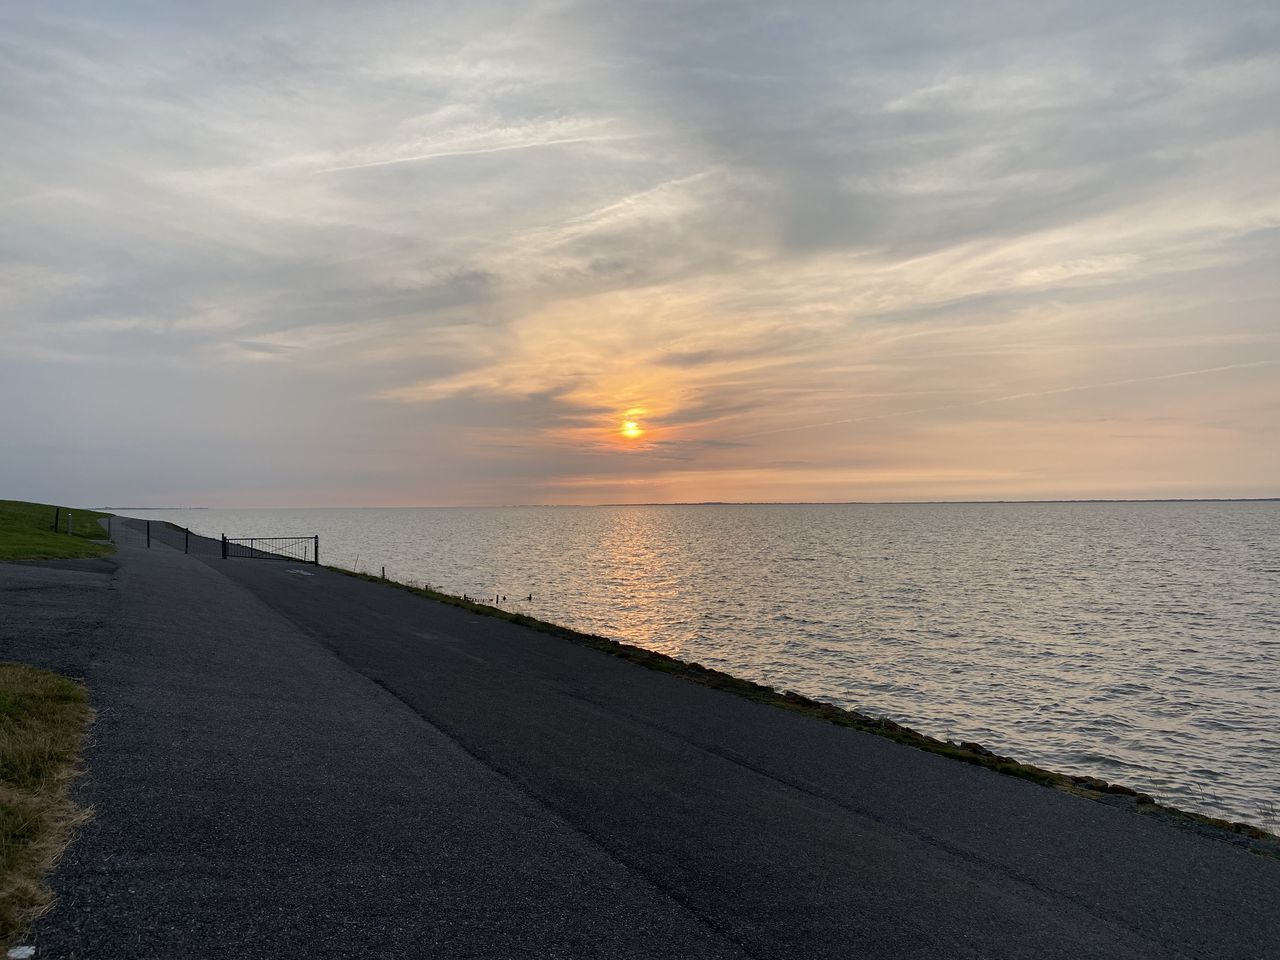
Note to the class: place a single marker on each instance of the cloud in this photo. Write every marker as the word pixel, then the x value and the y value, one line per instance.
pixel 1010 398
pixel 474 152
pixel 491 230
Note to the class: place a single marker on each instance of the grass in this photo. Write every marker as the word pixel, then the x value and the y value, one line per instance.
pixel 26 532
pixel 1257 839
pixel 43 718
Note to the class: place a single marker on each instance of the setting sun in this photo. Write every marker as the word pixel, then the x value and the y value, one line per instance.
pixel 631 430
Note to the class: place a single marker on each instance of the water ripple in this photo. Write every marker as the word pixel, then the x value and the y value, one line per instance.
pixel 1139 641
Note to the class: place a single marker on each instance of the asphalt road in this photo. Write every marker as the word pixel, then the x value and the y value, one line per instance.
pixel 289 762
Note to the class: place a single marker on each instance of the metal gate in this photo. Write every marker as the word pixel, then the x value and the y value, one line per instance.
pixel 296 549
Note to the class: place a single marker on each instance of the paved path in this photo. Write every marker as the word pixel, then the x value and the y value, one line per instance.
pixel 289 762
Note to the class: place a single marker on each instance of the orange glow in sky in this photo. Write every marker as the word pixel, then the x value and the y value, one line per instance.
pixel 694 278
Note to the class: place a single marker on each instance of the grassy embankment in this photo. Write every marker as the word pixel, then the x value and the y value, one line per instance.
pixel 1093 788
pixel 26 532
pixel 43 718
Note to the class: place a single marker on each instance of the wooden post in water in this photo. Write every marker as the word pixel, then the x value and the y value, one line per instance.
pixel 186 542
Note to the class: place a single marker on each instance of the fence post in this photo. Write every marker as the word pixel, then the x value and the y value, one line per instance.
pixel 224 546
pixel 69 531
pixel 57 515
pixel 186 542
pixel 315 558
pixel 148 534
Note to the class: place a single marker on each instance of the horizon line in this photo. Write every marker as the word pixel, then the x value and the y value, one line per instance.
pixel 730 503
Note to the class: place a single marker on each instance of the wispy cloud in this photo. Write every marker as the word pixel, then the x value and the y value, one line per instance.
pixel 1009 398
pixel 477 151
pixel 829 252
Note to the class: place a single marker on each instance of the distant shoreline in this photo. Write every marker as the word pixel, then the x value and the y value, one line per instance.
pixel 734 503
pixel 919 503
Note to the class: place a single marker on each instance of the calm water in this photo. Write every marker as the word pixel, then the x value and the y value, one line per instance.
pixel 1137 642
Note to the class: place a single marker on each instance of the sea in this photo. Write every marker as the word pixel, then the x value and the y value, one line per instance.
pixel 1134 641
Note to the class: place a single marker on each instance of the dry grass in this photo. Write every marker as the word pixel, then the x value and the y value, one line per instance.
pixel 43 718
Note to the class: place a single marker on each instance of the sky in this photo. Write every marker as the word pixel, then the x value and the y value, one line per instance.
pixel 336 254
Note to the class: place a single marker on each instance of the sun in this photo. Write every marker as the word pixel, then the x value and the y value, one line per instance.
pixel 631 430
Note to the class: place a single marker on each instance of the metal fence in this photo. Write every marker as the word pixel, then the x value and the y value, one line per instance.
pixel 297 549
